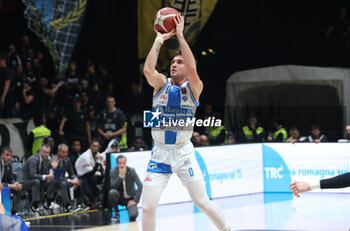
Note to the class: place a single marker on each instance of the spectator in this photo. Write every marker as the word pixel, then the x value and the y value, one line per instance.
pixel 12 57
pixel 78 126
pixel 123 192
pixel 316 135
pixel 61 182
pixel 7 178
pixel 75 153
pixel 280 134
pixel 203 140
pixel 37 135
pixel 346 138
pixel 217 135
pixel 30 75
pixel 195 139
pixel 30 102
pixel 34 175
pixel 38 66
pixel 6 96
pixel 112 123
pixel 72 77
pixel 93 121
pixel 231 139
pixel 24 48
pixel 85 101
pixel 137 145
pixel 89 168
pixel 104 81
pixel 294 135
pixel 252 132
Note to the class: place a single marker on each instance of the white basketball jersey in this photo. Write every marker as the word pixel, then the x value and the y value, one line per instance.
pixel 176 104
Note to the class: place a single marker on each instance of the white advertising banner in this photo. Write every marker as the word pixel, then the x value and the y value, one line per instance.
pixel 305 162
pixel 227 171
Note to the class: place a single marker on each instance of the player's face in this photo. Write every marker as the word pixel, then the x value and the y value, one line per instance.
pixel 177 68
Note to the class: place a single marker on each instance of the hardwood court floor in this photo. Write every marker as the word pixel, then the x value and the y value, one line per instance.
pixel 269 211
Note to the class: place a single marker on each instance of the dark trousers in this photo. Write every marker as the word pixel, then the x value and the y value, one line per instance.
pixel 89 186
pixel 115 198
pixel 59 185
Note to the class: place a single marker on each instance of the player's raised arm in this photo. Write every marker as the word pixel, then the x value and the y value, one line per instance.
pixel 188 58
pixel 154 78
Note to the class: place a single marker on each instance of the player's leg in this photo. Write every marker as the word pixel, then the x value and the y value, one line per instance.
pixel 152 190
pixel 199 196
pixel 191 176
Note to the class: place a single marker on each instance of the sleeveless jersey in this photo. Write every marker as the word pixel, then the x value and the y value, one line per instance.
pixel 176 104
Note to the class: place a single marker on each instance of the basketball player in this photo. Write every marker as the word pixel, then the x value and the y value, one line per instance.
pixel 340 181
pixel 173 150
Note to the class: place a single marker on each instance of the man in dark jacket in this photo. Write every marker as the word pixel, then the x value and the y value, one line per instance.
pixel 123 191
pixel 61 182
pixel 35 174
pixel 7 177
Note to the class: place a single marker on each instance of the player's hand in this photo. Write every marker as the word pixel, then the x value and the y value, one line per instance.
pixel 180 24
pixel 299 187
pixel 165 36
pixel 122 172
pixel 130 203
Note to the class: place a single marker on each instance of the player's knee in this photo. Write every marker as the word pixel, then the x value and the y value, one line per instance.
pixel 148 208
pixel 202 203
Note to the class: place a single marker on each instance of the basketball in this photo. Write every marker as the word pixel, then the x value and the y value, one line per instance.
pixel 164 20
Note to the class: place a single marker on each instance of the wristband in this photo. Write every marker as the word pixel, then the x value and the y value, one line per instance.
pixel 159 39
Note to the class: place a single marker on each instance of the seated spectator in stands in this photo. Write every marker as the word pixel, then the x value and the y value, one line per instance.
pixel 252 132
pixel 77 124
pixel 294 135
pixel 137 145
pixel 203 140
pixel 123 192
pixel 231 139
pixel 280 133
pixel 346 138
pixel 62 182
pixel 112 124
pixel 75 152
pixel 111 148
pixel 217 135
pixel 316 135
pixel 35 174
pixel 89 168
pixel 195 139
pixel 8 179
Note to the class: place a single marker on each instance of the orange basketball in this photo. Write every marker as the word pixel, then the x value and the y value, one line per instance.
pixel 164 19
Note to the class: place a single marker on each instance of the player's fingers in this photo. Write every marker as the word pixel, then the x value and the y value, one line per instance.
pixel 292 184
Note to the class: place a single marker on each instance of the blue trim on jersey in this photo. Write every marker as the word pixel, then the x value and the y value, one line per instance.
pixel 192 97
pixel 158 167
pixel 170 137
pixel 174 100
pixel 160 91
